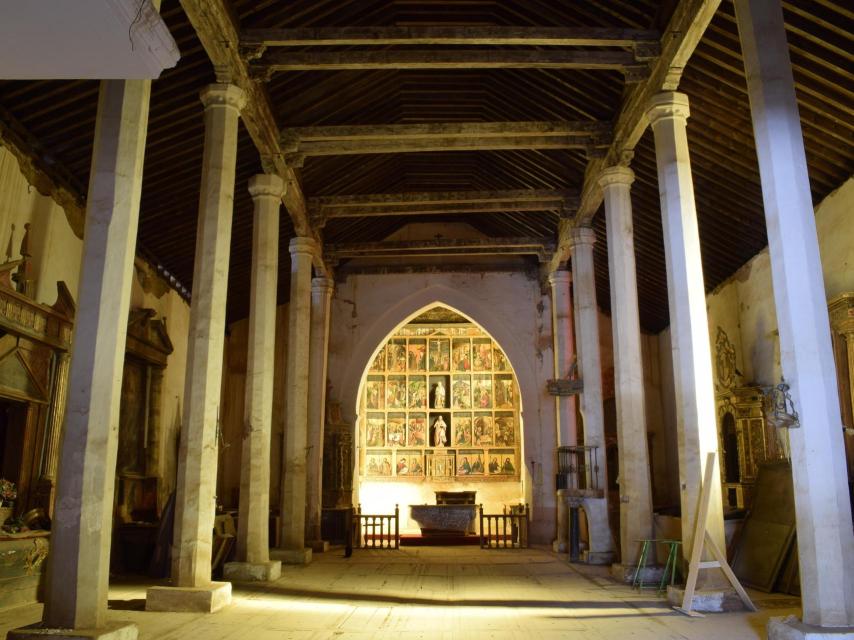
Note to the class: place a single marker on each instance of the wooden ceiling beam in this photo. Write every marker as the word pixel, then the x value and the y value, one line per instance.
pixel 216 27
pixel 496 36
pixel 686 27
pixel 541 247
pixel 443 197
pixel 285 60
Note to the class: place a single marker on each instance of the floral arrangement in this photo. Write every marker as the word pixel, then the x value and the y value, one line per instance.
pixel 8 492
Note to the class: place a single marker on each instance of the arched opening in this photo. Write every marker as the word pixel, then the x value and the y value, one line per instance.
pixel 438 410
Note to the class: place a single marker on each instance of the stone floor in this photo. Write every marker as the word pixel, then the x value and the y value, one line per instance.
pixel 435 593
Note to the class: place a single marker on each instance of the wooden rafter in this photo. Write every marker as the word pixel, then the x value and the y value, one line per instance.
pixel 450 35
pixel 450 202
pixel 216 28
pixel 541 247
pixel 687 25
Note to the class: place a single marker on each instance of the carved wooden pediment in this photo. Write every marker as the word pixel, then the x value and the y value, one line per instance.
pixel 17 379
pixel 147 337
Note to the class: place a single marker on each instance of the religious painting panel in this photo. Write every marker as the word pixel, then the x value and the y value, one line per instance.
pixel 396 430
pixel 395 392
pixel 375 392
pixel 462 430
pixel 440 354
pixel 416 397
pixel 505 392
pixel 417 430
pixel 461 354
pixel 499 360
pixel 378 363
pixel 375 430
pixel 502 462
pixel 482 429
pixel 505 431
pixel 470 462
pixel 482 391
pixel 461 392
pixel 481 354
pixel 417 351
pixel 378 462
pixel 396 355
pixel 409 463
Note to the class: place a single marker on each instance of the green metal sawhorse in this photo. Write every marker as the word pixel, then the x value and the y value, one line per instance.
pixel 669 566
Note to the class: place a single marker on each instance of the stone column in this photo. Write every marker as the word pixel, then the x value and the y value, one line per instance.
pixel 635 488
pixel 321 299
pixel 253 533
pixel 689 324
pixel 197 456
pixel 601 549
pixel 564 354
pixel 79 559
pixel 825 539
pixel 295 453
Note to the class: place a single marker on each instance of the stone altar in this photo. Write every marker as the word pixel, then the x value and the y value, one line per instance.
pixel 443 519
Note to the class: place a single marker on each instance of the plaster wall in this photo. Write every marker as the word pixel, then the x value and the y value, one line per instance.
pixel 510 306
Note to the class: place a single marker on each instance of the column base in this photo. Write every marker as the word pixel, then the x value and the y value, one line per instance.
pixel 650 575
pixel 110 631
pixel 791 628
pixel 597 557
pixel 207 599
pixel 252 572
pixel 560 546
pixel 318 546
pixel 291 556
pixel 707 600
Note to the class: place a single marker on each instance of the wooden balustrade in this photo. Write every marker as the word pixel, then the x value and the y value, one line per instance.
pixel 508 530
pixel 376 531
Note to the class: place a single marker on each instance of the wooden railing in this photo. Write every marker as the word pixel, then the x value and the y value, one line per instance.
pixel 508 530
pixel 376 531
pixel 578 468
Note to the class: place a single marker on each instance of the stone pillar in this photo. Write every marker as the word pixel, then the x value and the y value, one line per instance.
pixel 197 456
pixel 295 453
pixel 253 533
pixel 825 539
pixel 601 549
pixel 689 324
pixel 564 354
pixel 79 559
pixel 321 300
pixel 635 488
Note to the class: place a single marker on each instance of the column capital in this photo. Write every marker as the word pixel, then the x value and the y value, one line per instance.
pixel 560 277
pixel 223 95
pixel 616 175
pixel 322 284
pixel 302 245
pixel 668 104
pixel 581 236
pixel 266 185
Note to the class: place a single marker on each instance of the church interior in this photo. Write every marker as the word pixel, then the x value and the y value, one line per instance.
pixel 421 319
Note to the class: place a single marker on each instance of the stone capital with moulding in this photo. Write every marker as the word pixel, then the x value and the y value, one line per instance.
pixel 560 277
pixel 668 105
pixel 266 185
pixel 301 244
pixel 580 236
pixel 616 175
pixel 322 285
pixel 223 95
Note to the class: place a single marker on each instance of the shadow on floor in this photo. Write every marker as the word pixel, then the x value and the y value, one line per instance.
pixel 136 604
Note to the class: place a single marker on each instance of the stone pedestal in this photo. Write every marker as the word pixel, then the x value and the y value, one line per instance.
pixel 206 599
pixel 197 455
pixel 822 506
pixel 649 575
pixel 696 422
pixel 708 600
pixel 600 549
pixel 253 523
pixel 635 487
pixel 790 628
pixel 252 572
pixel 292 556
pixel 321 299
pixel 107 631
pixel 79 561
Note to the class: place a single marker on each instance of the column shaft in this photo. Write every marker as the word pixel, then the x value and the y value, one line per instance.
pixel 635 490
pixel 253 523
pixel 296 425
pixel 79 560
pixel 825 539
pixel 689 325
pixel 564 354
pixel 197 455
pixel 321 300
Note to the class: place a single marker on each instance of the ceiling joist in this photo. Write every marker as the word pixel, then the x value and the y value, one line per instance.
pixel 541 247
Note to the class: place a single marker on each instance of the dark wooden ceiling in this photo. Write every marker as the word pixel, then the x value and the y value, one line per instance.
pixel 60 117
